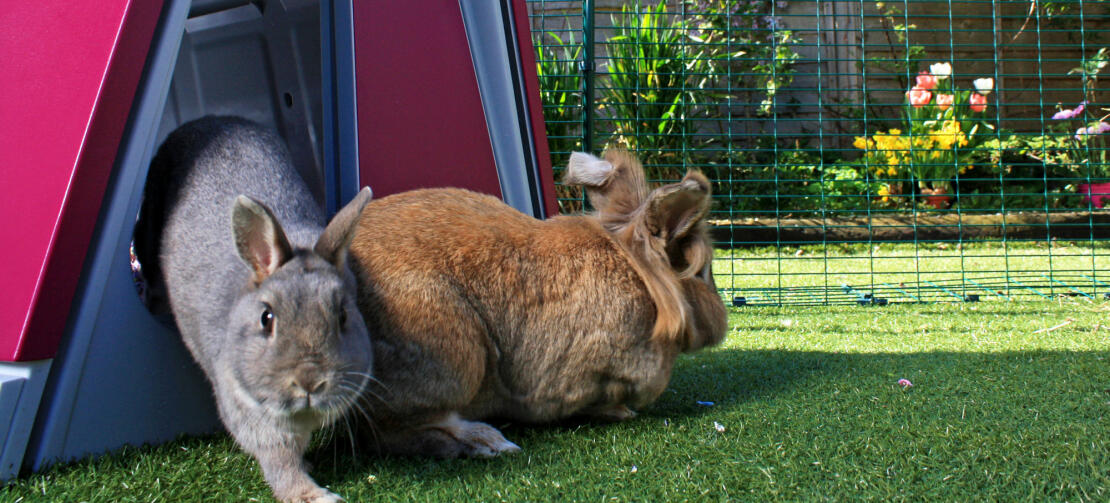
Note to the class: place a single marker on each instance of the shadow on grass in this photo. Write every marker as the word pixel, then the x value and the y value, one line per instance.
pixel 1070 386
pixel 1000 412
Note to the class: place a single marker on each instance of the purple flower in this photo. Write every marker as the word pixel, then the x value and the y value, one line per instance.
pixel 905 383
pixel 1098 128
pixel 1070 114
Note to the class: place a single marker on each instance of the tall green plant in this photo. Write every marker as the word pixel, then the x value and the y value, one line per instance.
pixel 560 82
pixel 746 48
pixel 898 58
pixel 657 75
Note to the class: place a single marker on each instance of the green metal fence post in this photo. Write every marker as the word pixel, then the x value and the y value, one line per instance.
pixel 587 75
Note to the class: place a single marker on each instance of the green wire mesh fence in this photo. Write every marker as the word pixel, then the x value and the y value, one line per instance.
pixel 861 151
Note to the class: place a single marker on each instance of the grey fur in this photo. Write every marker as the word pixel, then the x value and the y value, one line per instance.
pixel 273 387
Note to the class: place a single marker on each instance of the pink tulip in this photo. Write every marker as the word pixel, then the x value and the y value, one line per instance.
pixel 944 101
pixel 926 80
pixel 919 97
pixel 1099 128
pixel 978 102
pixel 1070 114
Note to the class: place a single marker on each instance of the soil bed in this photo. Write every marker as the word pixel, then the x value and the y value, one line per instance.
pixel 924 226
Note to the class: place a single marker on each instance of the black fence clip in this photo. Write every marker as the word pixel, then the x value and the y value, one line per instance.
pixel 865 299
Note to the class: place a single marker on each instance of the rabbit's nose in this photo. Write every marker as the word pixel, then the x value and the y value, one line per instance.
pixel 309 381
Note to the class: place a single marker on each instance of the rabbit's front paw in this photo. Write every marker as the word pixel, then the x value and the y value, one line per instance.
pixel 318 495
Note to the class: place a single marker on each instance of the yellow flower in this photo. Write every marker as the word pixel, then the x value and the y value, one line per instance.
pixel 892 171
pixel 950 134
pixel 884 191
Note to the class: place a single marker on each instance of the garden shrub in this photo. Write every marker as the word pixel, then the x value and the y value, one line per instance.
pixel 668 83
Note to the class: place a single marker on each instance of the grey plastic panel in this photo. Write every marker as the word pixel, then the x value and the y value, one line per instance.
pixel 121 375
pixel 340 108
pixel 21 387
pixel 262 63
pixel 489 31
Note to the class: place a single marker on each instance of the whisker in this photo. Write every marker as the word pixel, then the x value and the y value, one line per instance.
pixel 350 436
pixel 369 377
pixel 343 385
pixel 380 400
pixel 357 406
pixel 334 457
pixel 364 391
pixel 373 427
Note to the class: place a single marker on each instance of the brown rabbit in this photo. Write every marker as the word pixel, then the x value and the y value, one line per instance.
pixel 480 311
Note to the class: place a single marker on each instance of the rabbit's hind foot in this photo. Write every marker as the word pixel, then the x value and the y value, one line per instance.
pixel 318 495
pixel 614 413
pixel 451 437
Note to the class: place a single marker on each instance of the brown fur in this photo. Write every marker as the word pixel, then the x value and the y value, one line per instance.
pixel 478 310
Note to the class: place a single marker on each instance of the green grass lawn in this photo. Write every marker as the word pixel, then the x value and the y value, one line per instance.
pixel 908 272
pixel 1009 402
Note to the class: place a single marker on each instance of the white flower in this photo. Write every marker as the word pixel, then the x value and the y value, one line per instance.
pixel 940 70
pixel 984 85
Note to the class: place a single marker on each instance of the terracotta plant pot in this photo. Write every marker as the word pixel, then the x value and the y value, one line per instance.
pixel 937 198
pixel 1097 194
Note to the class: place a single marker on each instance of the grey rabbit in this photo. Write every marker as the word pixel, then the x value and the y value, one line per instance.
pixel 267 309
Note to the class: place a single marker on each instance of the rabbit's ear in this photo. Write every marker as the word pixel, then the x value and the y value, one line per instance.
pixel 615 185
pixel 672 211
pixel 333 243
pixel 587 170
pixel 258 236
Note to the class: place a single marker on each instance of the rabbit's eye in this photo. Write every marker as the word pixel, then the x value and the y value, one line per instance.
pixel 267 320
